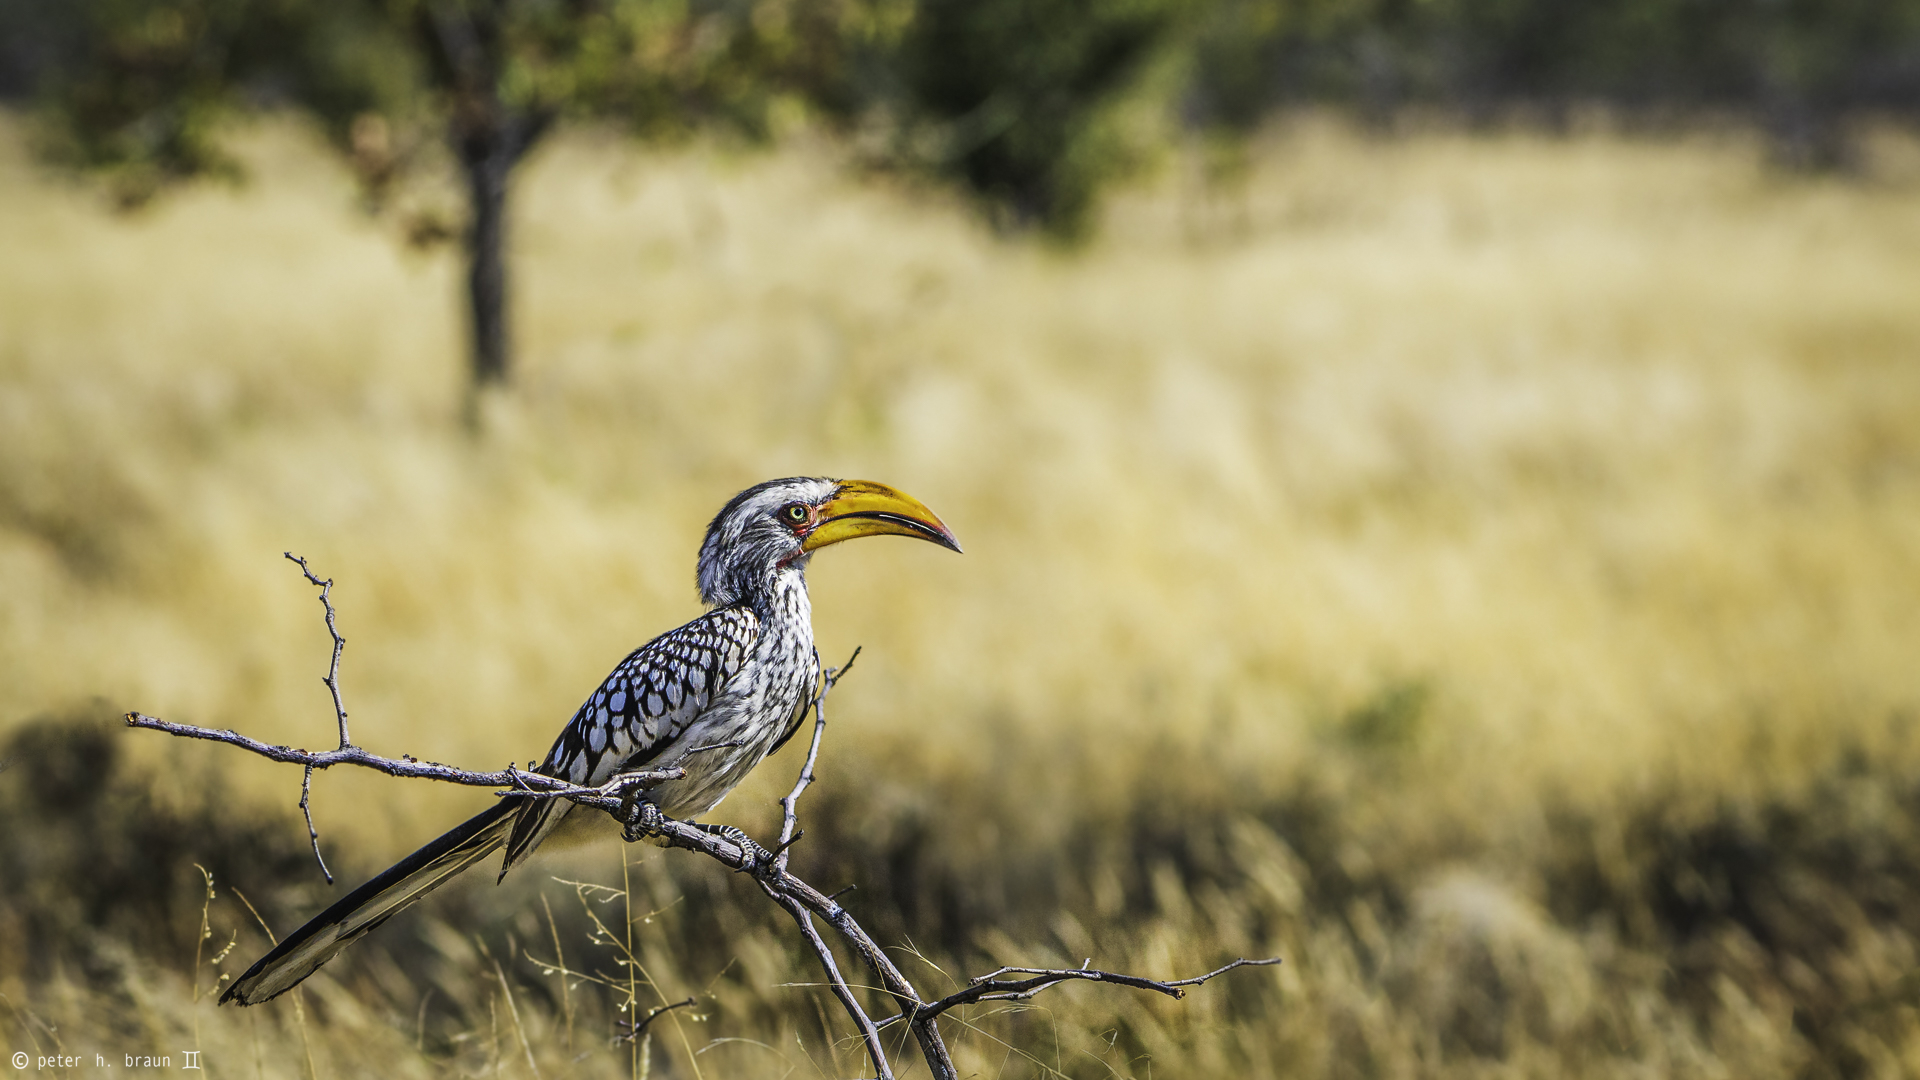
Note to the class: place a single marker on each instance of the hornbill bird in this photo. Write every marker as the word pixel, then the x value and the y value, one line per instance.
pixel 713 697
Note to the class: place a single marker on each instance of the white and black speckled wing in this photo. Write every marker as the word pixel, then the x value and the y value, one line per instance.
pixel 639 712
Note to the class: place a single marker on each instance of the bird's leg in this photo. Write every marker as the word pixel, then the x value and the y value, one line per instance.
pixel 641 817
pixel 753 857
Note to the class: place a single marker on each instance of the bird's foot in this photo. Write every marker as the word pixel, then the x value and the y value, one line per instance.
pixel 753 857
pixel 643 820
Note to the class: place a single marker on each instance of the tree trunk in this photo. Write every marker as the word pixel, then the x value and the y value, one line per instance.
pixel 487 170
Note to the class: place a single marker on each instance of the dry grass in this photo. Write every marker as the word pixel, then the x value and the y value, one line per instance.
pixel 1474 568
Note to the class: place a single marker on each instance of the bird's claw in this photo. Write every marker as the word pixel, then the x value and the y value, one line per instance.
pixel 643 820
pixel 753 858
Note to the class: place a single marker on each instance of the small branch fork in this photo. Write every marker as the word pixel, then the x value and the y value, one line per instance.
pixel 789 817
pixel 622 797
pixel 332 679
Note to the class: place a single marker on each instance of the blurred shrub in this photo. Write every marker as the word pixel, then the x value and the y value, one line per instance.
pixel 142 87
pixel 1019 89
pixel 1799 66
pixel 1012 99
pixel 141 90
pixel 1007 97
pixel 1808 902
pixel 93 862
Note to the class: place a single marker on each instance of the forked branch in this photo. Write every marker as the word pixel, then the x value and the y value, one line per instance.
pixel 332 678
pixel 991 987
pixel 621 797
pixel 406 766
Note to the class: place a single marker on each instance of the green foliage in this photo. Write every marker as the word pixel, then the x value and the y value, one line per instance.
pixel 145 104
pixel 1013 98
pixel 143 93
pixel 1017 99
pixel 1018 91
pixel 1796 64
pixel 1244 50
pixel 144 89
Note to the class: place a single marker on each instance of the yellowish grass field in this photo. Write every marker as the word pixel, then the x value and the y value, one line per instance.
pixel 1470 484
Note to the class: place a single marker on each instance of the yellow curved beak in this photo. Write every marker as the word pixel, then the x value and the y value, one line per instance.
pixel 864 508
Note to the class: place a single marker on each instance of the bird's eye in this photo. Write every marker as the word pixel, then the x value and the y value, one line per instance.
pixel 794 513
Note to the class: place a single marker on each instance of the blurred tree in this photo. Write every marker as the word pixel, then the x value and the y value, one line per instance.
pixel 1017 91
pixel 1016 98
pixel 1799 67
pixel 145 87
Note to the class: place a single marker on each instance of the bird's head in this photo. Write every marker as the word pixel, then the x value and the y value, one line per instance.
pixel 777 525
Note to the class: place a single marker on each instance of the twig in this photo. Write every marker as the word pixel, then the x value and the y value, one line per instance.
pixel 790 833
pixel 513 780
pixel 788 891
pixel 332 678
pixel 616 788
pixel 634 1030
pixel 990 987
pixel 789 816
pixel 523 783
pixel 313 834
pixel 869 1032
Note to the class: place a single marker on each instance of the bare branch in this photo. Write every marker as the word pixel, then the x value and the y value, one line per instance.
pixel 789 815
pixel 332 680
pixel 729 847
pixel 990 987
pixel 313 834
pixel 619 788
pixel 522 782
pixel 614 798
pixel 339 646
pixel 834 675
pixel 790 833
pixel 869 1032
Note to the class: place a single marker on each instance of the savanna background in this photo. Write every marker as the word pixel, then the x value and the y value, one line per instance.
pixel 1441 489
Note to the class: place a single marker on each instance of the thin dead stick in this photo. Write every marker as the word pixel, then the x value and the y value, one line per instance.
pixel 313 834
pixel 990 987
pixel 906 998
pixel 332 678
pixel 869 1032
pixel 789 816
pixel 522 782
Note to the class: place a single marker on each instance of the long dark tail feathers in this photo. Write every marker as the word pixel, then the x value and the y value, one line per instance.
pixel 366 907
pixel 533 824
